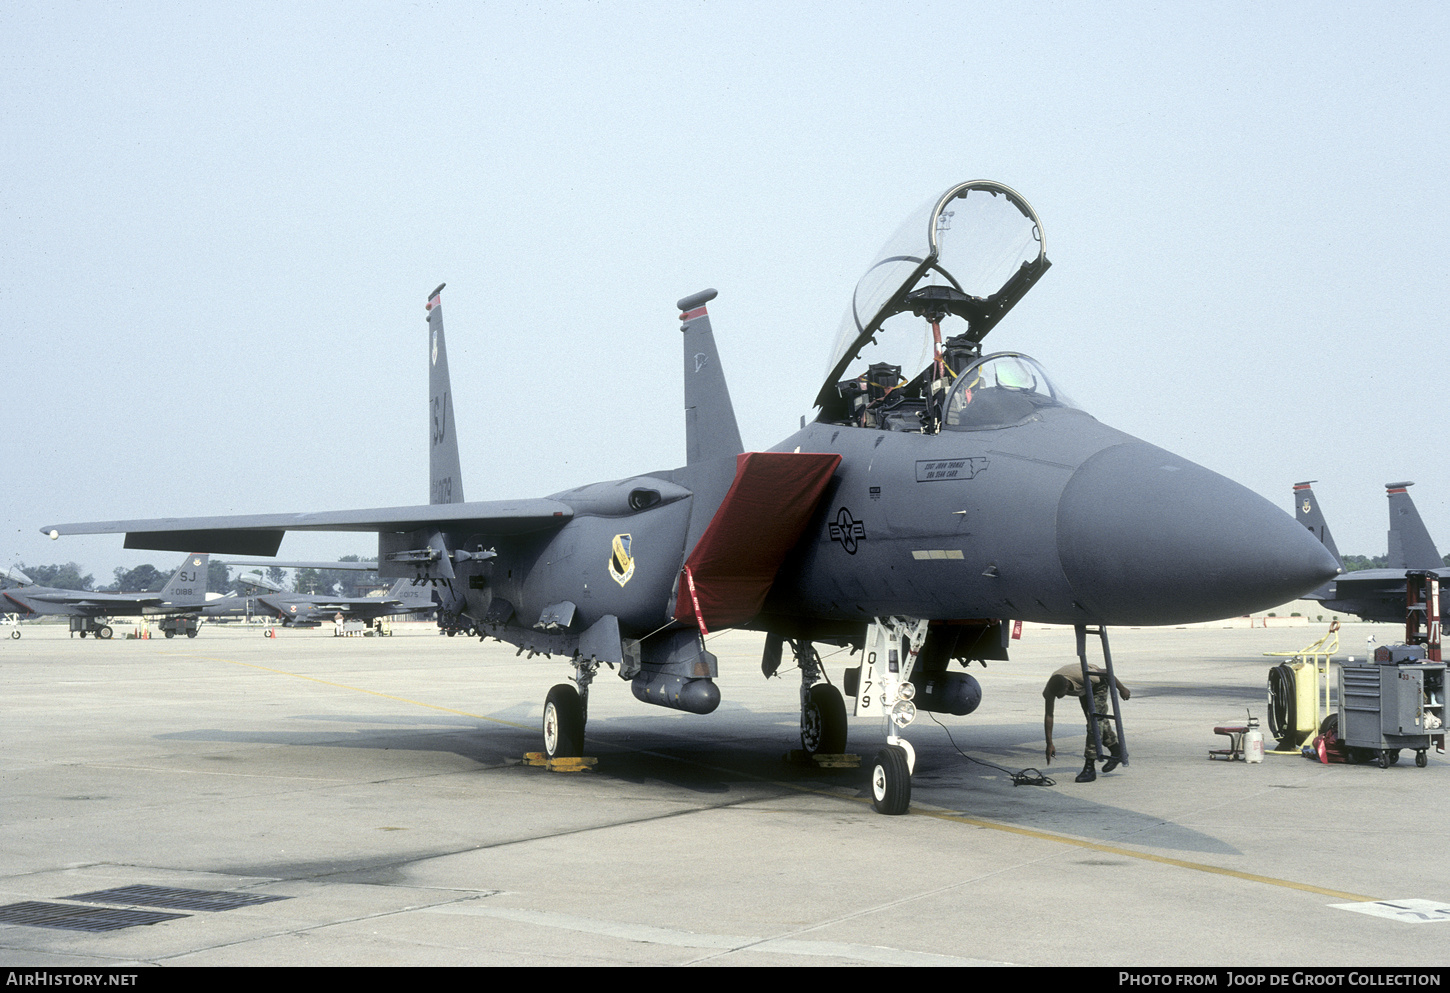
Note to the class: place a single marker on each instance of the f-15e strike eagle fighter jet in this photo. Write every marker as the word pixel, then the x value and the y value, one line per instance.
pixel 927 505
pixel 184 593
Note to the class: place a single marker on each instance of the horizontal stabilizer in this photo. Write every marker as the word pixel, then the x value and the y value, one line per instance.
pixel 735 561
pixel 261 534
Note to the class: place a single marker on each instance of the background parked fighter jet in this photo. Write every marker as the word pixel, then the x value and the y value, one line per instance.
pixel 261 596
pixel 312 609
pixel 1376 594
pixel 184 592
pixel 916 514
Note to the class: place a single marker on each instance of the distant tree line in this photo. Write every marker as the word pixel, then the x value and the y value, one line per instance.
pixel 149 579
pixel 66 577
pixel 1354 563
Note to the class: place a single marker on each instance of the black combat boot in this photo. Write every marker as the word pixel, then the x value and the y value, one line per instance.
pixel 1088 773
pixel 1117 758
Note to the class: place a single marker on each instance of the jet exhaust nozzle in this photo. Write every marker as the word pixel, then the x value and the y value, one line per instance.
pixel 693 694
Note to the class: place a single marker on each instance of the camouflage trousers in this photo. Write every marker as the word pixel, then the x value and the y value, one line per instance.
pixel 1107 730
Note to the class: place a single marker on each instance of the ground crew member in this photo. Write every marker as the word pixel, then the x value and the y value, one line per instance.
pixel 1068 681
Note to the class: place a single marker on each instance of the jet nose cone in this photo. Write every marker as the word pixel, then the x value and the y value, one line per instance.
pixel 1146 537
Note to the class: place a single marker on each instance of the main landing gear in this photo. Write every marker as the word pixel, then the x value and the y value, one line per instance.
pixel 566 709
pixel 823 710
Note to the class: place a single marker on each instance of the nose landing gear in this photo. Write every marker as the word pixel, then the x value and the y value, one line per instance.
pixel 885 687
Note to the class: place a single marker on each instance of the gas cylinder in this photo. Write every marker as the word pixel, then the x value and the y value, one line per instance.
pixel 1254 742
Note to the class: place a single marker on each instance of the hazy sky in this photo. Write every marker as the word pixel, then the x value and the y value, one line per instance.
pixel 221 223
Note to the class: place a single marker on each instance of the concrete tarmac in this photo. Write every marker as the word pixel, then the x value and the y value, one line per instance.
pixel 376 786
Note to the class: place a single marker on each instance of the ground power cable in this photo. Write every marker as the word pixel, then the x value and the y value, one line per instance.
pixel 1026 777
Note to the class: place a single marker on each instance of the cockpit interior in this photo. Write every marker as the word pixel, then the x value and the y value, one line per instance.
pixel 903 360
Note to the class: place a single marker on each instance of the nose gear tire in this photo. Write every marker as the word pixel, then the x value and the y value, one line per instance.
pixel 890 781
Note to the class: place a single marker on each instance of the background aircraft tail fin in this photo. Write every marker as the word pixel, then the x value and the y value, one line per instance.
pixel 188 583
pixel 415 596
pixel 1307 513
pixel 445 478
pixel 1410 545
pixel 710 428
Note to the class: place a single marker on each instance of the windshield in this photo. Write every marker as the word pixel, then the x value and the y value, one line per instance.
pixel 970 253
pixel 1000 390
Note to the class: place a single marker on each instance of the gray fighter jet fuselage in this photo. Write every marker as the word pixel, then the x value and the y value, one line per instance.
pixel 918 514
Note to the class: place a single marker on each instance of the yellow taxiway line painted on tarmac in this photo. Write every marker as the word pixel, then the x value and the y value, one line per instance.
pixel 1144 856
pixel 944 815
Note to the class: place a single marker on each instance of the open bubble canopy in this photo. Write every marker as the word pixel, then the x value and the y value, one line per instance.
pixel 972 253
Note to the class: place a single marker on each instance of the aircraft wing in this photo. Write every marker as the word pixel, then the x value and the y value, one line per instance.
pixel 366 565
pixel 1386 583
pixel 98 600
pixel 348 605
pixel 261 534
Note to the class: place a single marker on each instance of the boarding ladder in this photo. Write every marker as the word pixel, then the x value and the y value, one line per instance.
pixel 1082 631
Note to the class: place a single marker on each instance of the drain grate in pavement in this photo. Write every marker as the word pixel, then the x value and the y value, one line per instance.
pixel 174 898
pixel 72 918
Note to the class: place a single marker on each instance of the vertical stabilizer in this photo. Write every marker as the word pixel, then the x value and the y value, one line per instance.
pixel 1410 544
pixel 414 596
pixel 188 583
pixel 1307 513
pixel 710 428
pixel 445 478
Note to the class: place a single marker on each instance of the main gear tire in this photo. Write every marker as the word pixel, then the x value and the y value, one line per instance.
pixel 563 723
pixel 823 721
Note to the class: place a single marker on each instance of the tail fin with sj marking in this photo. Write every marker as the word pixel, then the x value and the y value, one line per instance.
pixel 445 478
pixel 1410 545
pixel 188 583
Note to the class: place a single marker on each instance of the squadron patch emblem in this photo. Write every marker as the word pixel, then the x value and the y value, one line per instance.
pixel 621 563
